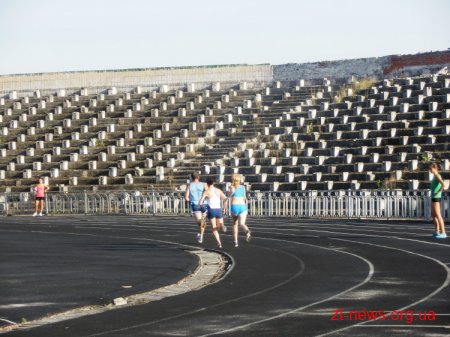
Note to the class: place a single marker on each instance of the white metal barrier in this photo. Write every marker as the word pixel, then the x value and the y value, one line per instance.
pixel 315 204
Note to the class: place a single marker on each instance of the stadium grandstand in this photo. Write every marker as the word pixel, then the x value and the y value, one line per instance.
pixel 374 125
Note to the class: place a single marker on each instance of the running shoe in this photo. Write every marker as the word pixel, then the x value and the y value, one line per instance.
pixel 441 236
pixel 35 213
pixel 248 236
pixel 236 244
pixel 199 238
pixel 40 214
pixel 435 234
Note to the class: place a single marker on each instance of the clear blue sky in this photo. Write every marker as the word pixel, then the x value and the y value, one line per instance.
pixel 61 35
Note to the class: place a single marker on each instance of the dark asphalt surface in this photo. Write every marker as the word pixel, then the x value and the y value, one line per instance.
pixel 289 281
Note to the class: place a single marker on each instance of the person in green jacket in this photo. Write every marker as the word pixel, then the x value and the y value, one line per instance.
pixel 437 186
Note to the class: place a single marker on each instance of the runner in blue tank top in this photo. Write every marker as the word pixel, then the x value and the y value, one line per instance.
pixel 238 208
pixel 193 194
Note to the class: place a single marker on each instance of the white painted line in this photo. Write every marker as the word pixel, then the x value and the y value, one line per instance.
pixel 373 235
pixel 7 321
pixel 410 326
pixel 189 283
pixel 25 305
pixel 367 279
pixel 298 309
pixel 302 268
pixel 435 292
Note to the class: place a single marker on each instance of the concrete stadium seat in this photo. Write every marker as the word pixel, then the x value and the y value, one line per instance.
pixel 306 141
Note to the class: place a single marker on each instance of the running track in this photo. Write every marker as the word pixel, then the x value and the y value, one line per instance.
pixel 287 282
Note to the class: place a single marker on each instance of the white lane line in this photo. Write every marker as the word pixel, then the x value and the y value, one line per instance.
pixel 388 229
pixel 402 231
pixel 287 313
pixel 406 326
pixel 150 222
pixel 299 272
pixel 445 284
pixel 7 321
pixel 25 305
pixel 211 267
pixel 338 222
pixel 371 235
pixel 153 227
pixel 424 299
pixel 162 228
pixel 358 229
pixel 367 279
pixel 349 225
pixel 299 222
pixel 262 291
pixel 295 243
pixel 80 313
pixel 296 223
pixel 297 228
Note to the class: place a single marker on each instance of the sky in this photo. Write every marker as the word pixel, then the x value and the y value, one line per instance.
pixel 60 35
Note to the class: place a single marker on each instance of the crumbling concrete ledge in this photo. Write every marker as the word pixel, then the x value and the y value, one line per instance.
pixel 213 266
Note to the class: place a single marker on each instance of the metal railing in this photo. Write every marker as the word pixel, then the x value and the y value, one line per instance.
pixel 344 206
pixel 312 204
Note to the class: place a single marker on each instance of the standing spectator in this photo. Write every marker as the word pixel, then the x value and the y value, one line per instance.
pixel 437 186
pixel 40 189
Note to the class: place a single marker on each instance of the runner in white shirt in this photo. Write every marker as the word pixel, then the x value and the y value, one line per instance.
pixel 214 196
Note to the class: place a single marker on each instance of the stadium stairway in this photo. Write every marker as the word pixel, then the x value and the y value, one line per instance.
pixel 286 137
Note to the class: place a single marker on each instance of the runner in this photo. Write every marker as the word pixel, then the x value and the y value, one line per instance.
pixel 237 194
pixel 437 186
pixel 194 191
pixel 40 189
pixel 215 213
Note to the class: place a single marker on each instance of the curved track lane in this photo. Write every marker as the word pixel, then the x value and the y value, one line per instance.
pixel 288 281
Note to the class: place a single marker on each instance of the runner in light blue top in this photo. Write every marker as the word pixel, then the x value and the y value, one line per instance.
pixel 193 194
pixel 238 207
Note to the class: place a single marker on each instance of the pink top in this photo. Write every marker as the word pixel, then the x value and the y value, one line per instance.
pixel 40 191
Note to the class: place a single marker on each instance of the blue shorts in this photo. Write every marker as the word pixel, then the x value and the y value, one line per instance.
pixel 215 213
pixel 238 209
pixel 195 208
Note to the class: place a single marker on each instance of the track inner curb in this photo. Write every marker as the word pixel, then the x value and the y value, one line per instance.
pixel 213 265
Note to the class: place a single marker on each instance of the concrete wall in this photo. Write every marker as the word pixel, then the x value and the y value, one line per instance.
pixel 400 62
pixel 377 67
pixel 256 75
pixel 136 77
pixel 330 69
